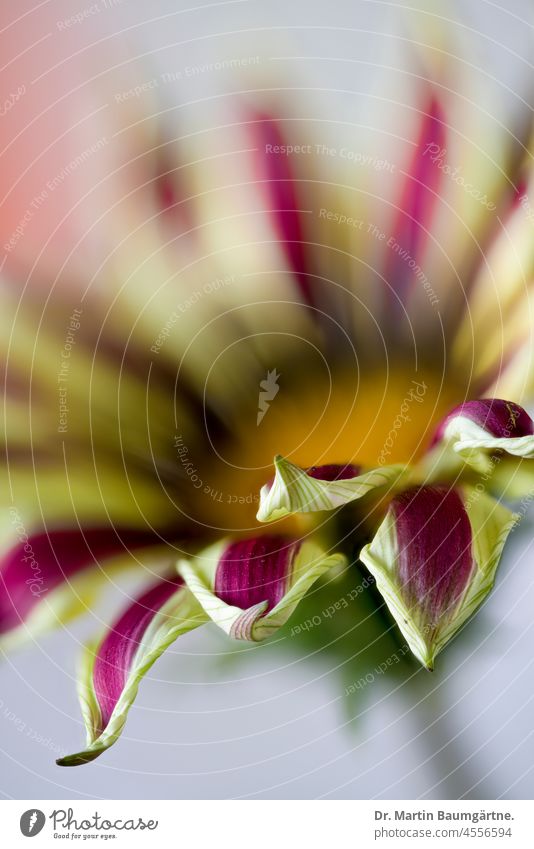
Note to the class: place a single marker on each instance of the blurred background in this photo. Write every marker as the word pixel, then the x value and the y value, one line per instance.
pixel 291 719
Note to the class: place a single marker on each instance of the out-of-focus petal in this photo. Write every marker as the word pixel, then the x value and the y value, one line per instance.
pixel 497 319
pixel 246 196
pixel 284 204
pixel 516 377
pixel 48 578
pixel 434 559
pixel 296 490
pixel 417 202
pixel 85 430
pixel 111 671
pixel 251 587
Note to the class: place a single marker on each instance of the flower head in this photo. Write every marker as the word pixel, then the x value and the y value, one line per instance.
pixel 241 308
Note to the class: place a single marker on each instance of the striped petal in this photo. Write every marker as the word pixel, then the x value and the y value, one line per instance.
pixel 488 425
pixel 496 326
pixel 296 490
pixel 417 201
pixel 49 578
pixel 111 671
pixel 250 588
pixel 282 196
pixel 434 560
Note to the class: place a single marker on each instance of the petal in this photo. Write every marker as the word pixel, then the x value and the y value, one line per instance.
pixel 275 169
pixel 50 577
pixel 296 490
pixel 434 559
pixel 251 587
pixel 496 324
pixel 87 460
pixel 487 425
pixel 417 201
pixel 111 671
pixel 246 197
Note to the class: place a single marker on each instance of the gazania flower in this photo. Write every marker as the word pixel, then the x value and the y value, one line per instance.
pixel 250 304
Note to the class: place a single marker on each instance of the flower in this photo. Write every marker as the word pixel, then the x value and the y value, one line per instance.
pixel 242 307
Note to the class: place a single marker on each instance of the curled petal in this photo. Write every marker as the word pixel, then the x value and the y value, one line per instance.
pixel 111 671
pixel 251 587
pixel 296 490
pixel 434 560
pixel 488 425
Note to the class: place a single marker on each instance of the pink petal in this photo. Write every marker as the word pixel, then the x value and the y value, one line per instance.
pixel 275 169
pixel 417 202
pixel 334 472
pixel 115 655
pixel 435 560
pixel 330 472
pixel 254 570
pixel 497 417
pixel 42 562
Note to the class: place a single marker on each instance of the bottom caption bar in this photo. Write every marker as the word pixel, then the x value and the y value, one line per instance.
pixel 347 823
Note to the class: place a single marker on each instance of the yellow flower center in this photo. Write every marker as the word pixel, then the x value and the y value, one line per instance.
pixel 383 419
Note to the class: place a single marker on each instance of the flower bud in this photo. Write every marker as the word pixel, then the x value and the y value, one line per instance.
pixel 434 559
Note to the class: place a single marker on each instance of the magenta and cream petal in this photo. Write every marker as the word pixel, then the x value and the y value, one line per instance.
pixel 112 669
pixel 487 425
pixel 46 579
pixel 250 588
pixel 498 319
pixel 417 202
pixel 434 559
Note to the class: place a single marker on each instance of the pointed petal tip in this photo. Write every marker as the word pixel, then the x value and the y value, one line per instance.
pixel 79 758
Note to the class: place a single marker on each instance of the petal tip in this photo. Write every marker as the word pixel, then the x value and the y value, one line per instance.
pixel 79 758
